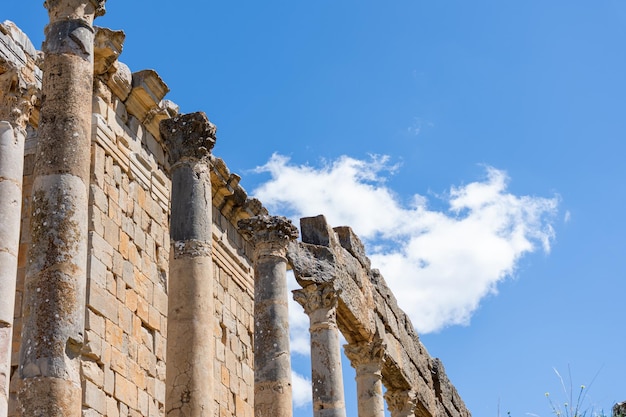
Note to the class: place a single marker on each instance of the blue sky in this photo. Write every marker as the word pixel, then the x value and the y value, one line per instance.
pixel 494 132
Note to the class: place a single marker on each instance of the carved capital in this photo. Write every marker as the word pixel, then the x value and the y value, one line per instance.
pixel 99 7
pixel 75 9
pixel 364 353
pixel 316 297
pixel 188 137
pixel 274 230
pixel 17 98
pixel 401 403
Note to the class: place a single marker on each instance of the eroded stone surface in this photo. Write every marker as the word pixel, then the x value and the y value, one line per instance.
pixel 191 347
pixel 188 136
pixel 366 310
pixel 270 236
pixel 320 304
pixel 53 330
pixel 367 359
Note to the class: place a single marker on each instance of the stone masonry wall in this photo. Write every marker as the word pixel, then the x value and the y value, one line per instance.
pixel 123 361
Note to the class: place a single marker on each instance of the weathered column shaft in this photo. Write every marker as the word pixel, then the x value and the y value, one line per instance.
pixel 190 340
pixel 52 334
pixel 16 98
pixel 272 360
pixel 401 403
pixel 320 304
pixel 367 359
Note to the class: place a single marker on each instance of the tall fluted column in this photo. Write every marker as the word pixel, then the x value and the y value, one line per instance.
pixel 270 236
pixel 320 304
pixel 401 403
pixel 16 98
pixel 367 359
pixel 54 299
pixel 190 341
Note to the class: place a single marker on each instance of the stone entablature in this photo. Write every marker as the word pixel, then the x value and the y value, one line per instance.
pixel 367 311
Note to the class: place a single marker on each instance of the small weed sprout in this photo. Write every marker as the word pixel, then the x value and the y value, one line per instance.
pixel 571 407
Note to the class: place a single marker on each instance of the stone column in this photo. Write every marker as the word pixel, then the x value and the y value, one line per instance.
pixel 189 380
pixel 320 304
pixel 54 293
pixel 270 236
pixel 16 98
pixel 367 359
pixel 401 403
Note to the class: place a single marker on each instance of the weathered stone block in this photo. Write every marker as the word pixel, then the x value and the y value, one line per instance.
pixel 102 301
pixel 94 397
pixel 125 391
pixel 148 89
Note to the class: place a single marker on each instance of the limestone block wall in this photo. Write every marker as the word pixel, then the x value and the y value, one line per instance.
pixel 123 360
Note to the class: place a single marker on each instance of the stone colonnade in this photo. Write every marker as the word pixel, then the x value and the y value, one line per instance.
pixel 342 293
pixel 55 283
pixel 16 95
pixel 54 300
pixel 190 348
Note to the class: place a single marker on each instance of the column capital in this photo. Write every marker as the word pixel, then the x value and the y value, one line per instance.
pixel 401 403
pixel 263 230
pixel 365 353
pixel 75 9
pixel 188 137
pixel 17 97
pixel 316 297
pixel 99 6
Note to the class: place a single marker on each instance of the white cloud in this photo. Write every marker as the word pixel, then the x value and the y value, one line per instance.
pixel 445 262
pixel 301 390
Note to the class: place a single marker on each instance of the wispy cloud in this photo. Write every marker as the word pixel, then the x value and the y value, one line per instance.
pixel 418 124
pixel 445 262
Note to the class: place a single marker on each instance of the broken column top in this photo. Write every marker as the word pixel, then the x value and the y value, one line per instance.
pixel 265 228
pixel 188 137
pixel 74 9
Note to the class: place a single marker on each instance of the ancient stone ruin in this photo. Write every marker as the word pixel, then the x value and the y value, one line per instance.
pixel 137 278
